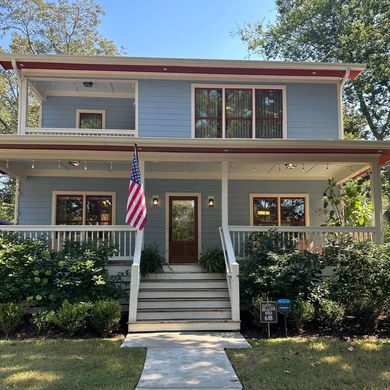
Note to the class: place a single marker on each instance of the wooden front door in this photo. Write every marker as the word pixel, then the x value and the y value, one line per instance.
pixel 183 229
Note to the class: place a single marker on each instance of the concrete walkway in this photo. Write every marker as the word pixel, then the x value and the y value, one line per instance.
pixel 182 360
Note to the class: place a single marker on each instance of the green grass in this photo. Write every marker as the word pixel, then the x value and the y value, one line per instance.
pixel 313 363
pixel 69 364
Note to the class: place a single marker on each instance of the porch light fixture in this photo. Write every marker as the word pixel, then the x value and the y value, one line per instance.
pixel 155 200
pixel 290 165
pixel 263 212
pixel 75 163
pixel 211 201
pixel 88 84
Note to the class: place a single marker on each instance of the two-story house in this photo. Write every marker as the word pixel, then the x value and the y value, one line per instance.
pixel 226 148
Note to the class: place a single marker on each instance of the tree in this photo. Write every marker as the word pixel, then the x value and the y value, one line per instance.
pixel 355 31
pixel 67 27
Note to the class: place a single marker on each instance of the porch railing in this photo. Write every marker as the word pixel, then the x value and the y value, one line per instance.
pixel 63 132
pixel 232 273
pixel 307 238
pixel 123 237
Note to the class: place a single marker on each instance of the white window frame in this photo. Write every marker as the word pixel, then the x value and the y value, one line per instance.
pixel 278 197
pixel 240 86
pixel 90 111
pixel 84 194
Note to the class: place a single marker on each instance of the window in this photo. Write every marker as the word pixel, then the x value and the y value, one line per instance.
pixel 84 209
pixel 278 210
pixel 239 112
pixel 91 119
pixel 208 113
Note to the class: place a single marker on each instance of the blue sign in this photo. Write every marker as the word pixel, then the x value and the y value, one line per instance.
pixel 284 306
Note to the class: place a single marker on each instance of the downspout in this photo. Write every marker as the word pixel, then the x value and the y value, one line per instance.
pixel 340 99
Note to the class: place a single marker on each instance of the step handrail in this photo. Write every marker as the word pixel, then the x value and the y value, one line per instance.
pixel 232 272
pixel 135 276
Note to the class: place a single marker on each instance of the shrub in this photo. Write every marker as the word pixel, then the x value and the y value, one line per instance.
pixel 42 320
pixel 366 314
pixel 331 314
pixel 151 260
pixel 302 312
pixel 11 315
pixel 105 316
pixel 271 266
pixel 72 317
pixel 77 273
pixel 212 260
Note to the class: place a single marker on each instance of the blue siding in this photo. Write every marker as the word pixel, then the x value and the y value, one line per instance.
pixel 36 200
pixel 165 109
pixel 60 111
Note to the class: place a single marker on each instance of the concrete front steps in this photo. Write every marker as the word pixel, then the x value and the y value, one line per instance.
pixel 183 298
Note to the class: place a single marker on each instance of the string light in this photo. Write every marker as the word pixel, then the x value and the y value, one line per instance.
pixel 327 166
pixel 7 164
pixel 59 164
pixel 110 165
pixel 303 167
pixel 33 164
pixel 85 166
pixel 279 169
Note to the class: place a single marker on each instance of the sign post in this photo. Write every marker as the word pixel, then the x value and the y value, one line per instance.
pixel 268 314
pixel 284 308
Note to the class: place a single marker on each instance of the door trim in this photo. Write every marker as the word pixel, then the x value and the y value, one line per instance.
pixel 197 195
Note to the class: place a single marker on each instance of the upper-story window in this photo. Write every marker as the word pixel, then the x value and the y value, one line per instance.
pixel 90 119
pixel 244 112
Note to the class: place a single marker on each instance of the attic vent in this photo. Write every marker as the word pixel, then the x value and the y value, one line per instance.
pixel 88 84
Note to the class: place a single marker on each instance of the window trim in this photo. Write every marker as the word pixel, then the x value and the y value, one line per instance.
pixel 253 87
pixel 279 196
pixel 90 111
pixel 84 194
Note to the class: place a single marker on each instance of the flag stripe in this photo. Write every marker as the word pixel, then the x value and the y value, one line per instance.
pixel 136 205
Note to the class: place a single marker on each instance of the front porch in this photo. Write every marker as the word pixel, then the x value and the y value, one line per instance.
pixel 91 179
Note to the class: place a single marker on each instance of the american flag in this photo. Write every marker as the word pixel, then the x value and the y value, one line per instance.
pixel 136 207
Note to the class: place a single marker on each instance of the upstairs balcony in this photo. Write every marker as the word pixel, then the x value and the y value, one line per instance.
pixel 59 106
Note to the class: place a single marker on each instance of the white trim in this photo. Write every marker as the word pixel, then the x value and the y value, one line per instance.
pixel 198 195
pixel 136 107
pixel 84 195
pixel 252 87
pixel 278 196
pixel 117 95
pixel 376 194
pixel 90 111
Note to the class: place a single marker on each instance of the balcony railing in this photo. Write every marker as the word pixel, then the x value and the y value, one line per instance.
pixel 63 132
pixel 307 238
pixel 123 237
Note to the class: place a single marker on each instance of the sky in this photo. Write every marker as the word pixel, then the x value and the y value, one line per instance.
pixel 181 28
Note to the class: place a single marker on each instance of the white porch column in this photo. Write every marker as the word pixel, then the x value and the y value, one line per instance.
pixel 224 195
pixel 376 193
pixel 22 105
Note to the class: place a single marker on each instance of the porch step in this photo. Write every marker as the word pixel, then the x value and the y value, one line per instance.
pixel 185 276
pixel 183 283
pixel 183 303
pixel 182 268
pixel 184 325
pixel 183 293
pixel 184 314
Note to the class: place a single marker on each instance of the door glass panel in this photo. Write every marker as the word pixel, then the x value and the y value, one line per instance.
pixel 265 211
pixel 99 210
pixel 69 210
pixel 183 220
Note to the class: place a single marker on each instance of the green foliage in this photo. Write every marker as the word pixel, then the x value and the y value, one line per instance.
pixel 105 315
pixel 72 317
pixel 151 260
pixel 34 274
pixel 11 315
pixel 42 320
pixel 212 260
pixel 348 204
pixel 7 197
pixel 366 314
pixel 272 266
pixel 353 31
pixel 302 312
pixel 331 314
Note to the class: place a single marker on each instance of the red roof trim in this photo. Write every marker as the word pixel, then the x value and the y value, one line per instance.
pixel 183 69
pixel 188 149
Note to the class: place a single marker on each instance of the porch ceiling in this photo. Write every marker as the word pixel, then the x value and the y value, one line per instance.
pixel 283 169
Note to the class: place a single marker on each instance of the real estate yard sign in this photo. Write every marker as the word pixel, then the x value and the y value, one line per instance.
pixel 269 314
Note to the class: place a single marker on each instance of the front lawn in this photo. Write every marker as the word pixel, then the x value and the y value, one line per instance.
pixel 69 364
pixel 313 363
